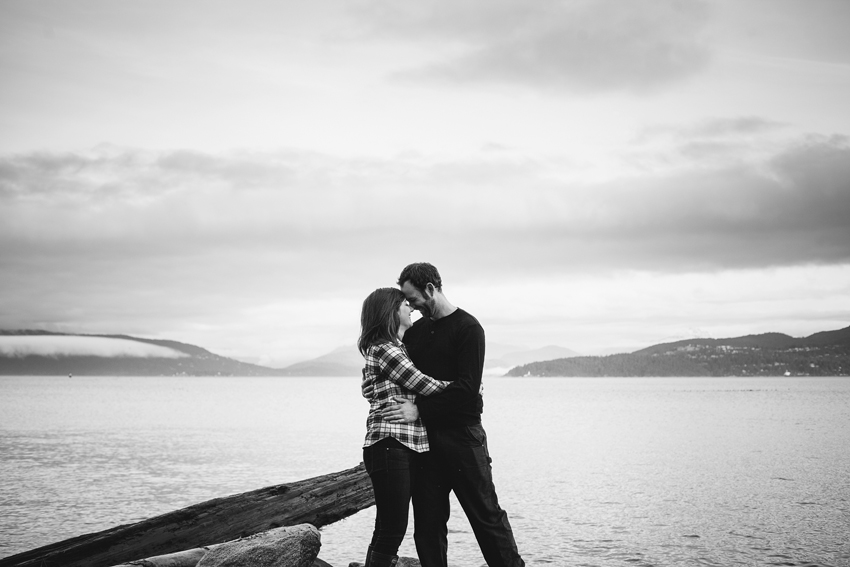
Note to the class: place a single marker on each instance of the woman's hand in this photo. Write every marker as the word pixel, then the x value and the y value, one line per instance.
pixel 405 411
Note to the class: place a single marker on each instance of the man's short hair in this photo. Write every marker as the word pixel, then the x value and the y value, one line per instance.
pixel 421 274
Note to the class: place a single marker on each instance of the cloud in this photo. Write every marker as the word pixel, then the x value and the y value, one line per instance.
pixel 285 243
pixel 36 345
pixel 591 46
pixel 315 210
pixel 711 129
pixel 787 209
pixel 814 31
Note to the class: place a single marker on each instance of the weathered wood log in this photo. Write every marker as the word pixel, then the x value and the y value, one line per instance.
pixel 319 501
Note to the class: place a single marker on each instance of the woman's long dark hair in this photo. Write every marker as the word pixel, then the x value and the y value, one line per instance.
pixel 379 320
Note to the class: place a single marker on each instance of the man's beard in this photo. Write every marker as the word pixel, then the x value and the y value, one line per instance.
pixel 428 308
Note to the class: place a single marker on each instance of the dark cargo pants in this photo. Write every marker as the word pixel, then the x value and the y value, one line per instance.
pixel 459 461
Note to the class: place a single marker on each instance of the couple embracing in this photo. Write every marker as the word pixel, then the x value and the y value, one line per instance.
pixel 424 435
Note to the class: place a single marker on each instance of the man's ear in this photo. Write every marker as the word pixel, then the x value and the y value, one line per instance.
pixel 430 289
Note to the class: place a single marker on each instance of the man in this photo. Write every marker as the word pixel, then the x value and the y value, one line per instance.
pixel 447 343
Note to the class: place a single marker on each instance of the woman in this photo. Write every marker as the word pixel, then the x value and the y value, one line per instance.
pixel 391 450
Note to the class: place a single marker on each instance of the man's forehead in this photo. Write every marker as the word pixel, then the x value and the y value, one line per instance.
pixel 409 290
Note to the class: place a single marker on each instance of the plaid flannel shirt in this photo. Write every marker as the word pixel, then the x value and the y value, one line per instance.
pixel 394 375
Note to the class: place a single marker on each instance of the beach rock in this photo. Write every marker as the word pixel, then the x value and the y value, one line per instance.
pixel 290 546
pixel 402 562
pixel 319 563
pixel 188 558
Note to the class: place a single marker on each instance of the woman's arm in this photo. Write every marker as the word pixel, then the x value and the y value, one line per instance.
pixel 398 367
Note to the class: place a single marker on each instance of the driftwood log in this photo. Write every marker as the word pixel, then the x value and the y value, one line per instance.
pixel 319 501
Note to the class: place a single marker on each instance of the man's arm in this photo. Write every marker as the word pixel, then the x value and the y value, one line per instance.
pixel 404 411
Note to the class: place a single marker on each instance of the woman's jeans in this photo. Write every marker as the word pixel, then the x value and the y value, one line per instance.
pixel 392 467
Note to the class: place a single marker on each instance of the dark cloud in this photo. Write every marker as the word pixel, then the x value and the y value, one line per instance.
pixel 732 126
pixel 814 30
pixel 143 203
pixel 78 177
pixel 598 45
pixel 709 145
pixel 179 221
pixel 711 130
pixel 790 210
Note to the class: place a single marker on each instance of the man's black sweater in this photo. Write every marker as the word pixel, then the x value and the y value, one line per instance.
pixel 450 349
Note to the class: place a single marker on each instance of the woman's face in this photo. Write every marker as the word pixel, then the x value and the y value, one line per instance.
pixel 404 316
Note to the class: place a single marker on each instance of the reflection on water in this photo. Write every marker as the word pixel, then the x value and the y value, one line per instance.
pixel 591 471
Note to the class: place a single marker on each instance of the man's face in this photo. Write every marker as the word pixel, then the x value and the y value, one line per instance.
pixel 419 300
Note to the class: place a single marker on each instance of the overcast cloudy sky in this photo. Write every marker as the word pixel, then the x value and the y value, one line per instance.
pixel 597 174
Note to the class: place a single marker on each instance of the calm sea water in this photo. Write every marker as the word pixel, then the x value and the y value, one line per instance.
pixel 604 472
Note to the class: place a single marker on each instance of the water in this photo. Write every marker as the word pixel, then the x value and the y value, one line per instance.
pixel 592 472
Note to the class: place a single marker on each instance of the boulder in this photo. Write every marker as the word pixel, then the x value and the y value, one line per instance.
pixel 290 546
pixel 402 562
pixel 188 558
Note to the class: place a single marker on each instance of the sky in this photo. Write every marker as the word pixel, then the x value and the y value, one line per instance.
pixel 593 174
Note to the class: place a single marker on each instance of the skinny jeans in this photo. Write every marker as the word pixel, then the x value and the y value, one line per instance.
pixel 392 467
pixel 459 461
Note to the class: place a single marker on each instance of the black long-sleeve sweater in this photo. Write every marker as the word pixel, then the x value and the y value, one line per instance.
pixel 451 349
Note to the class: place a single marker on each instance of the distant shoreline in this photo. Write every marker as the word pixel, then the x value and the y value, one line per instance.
pixel 770 354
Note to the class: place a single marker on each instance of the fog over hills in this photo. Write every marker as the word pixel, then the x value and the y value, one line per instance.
pixel 50 354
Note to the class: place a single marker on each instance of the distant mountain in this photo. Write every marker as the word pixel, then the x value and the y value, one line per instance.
pixel 195 361
pixel 347 361
pixel 771 354
pixel 342 361
pixel 766 340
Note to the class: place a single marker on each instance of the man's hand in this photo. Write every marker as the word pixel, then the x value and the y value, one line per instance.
pixel 404 412
pixel 366 386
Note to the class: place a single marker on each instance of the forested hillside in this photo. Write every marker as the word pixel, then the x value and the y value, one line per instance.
pixel 771 354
